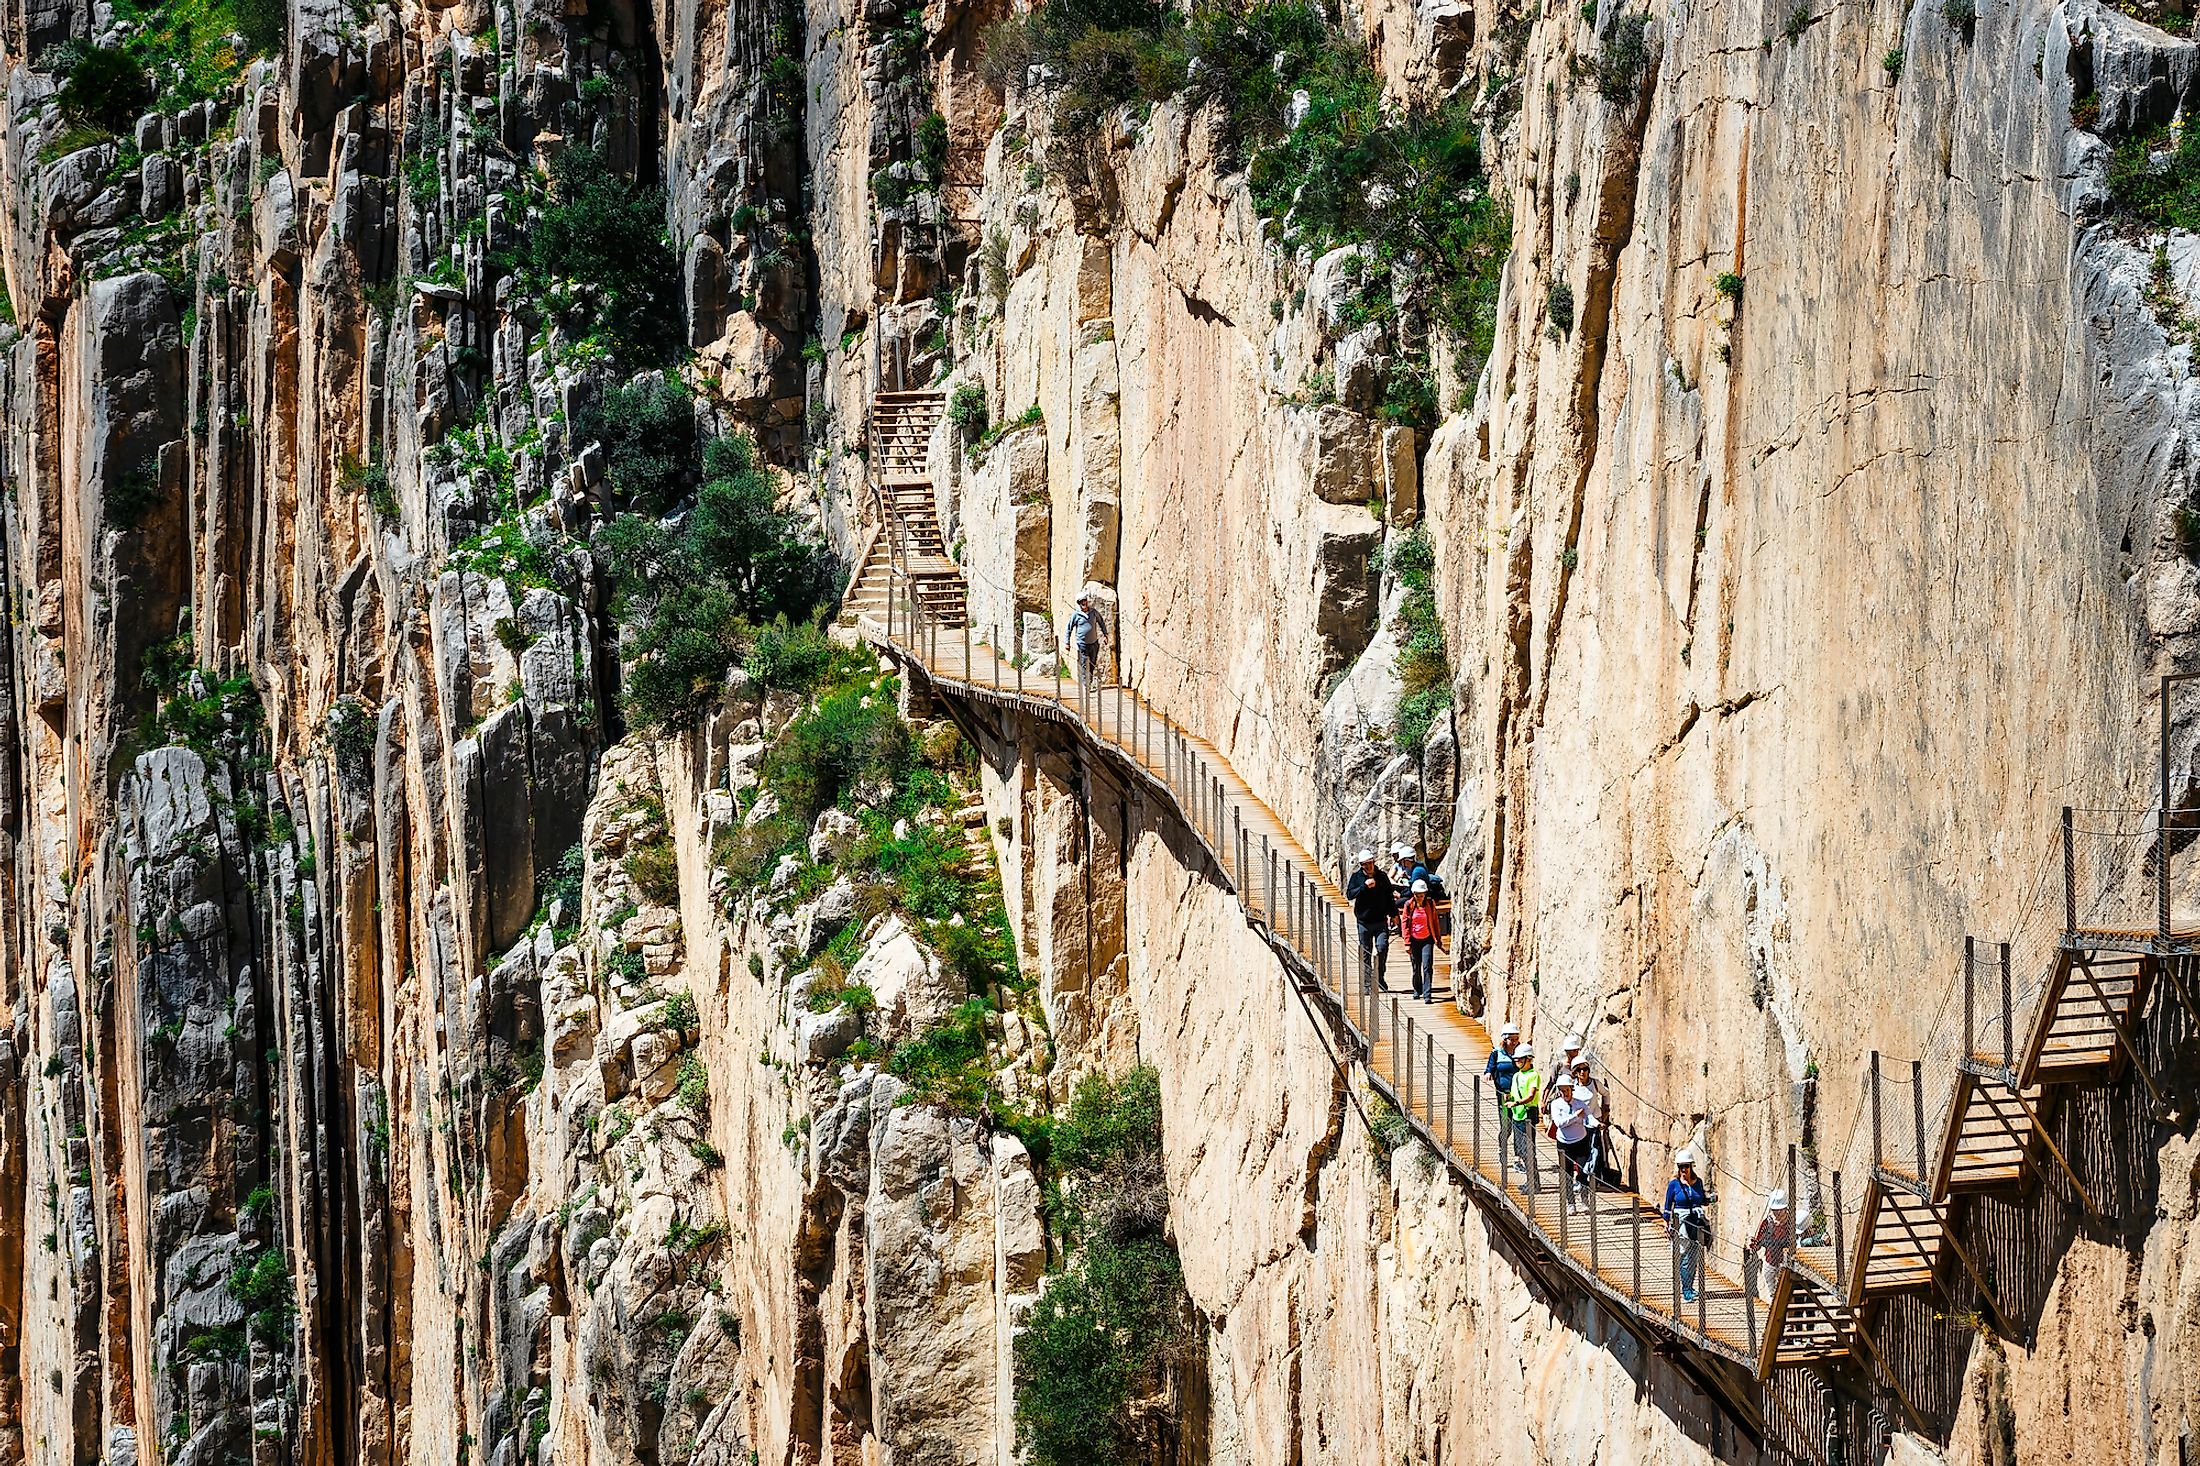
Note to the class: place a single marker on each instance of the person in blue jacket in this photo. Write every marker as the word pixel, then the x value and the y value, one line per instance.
pixel 1687 1216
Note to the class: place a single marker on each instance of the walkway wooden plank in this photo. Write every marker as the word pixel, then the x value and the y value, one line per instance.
pixel 1424 1056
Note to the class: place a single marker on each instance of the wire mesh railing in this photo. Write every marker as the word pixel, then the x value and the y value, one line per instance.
pixel 1686 1277
pixel 1702 1281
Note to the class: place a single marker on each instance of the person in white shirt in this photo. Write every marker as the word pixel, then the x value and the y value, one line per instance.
pixel 1573 1125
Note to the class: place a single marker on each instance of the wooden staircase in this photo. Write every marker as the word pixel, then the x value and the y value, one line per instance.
pixel 909 538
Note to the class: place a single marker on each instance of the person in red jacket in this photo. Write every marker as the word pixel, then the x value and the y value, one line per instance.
pixel 1419 925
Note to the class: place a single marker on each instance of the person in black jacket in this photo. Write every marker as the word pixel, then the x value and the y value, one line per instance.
pixel 1375 908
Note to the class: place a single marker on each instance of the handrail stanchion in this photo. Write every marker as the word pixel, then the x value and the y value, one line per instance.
pixel 1673 1248
pixel 2070 872
pixel 1970 1000
pixel 2008 1019
pixel 1268 865
pixel 1878 1152
pixel 1565 1244
pixel 1428 1077
pixel 1404 1072
pixel 1749 1304
pixel 1917 1105
pixel 1703 1286
pixel 1634 1237
pixel 1451 1099
pixel 1476 1105
pixel 1596 1265
pixel 1840 1264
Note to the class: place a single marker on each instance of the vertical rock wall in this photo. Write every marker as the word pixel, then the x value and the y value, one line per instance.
pixel 369 1092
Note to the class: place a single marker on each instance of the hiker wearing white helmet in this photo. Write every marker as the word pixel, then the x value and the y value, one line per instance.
pixel 1522 1103
pixel 1375 910
pixel 1500 1066
pixel 1570 1047
pixel 1574 1128
pixel 1773 1239
pixel 1686 1211
pixel 1417 923
pixel 1592 1095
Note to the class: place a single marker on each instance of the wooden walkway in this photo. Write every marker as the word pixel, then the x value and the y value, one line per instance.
pixel 1988 1081
pixel 1426 1058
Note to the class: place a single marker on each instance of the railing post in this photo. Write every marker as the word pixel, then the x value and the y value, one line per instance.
pixel 2070 872
pixel 1451 1098
pixel 1878 1154
pixel 1917 1107
pixel 1749 1304
pixel 1840 1266
pixel 967 662
pixel 1268 862
pixel 2008 1019
pixel 1634 1242
pixel 1244 847
pixel 1673 1245
pixel 1393 1033
pixel 1428 1076
pixel 1589 1181
pixel 1476 1106
pixel 1795 1210
pixel 1970 1045
pixel 1535 1161
pixel 1405 1070
pixel 1564 1208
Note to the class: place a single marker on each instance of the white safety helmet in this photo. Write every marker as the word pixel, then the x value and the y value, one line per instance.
pixel 1685 1156
pixel 1777 1201
pixel 1366 857
pixel 1526 1050
pixel 1510 1030
pixel 1573 1043
pixel 1565 1080
pixel 1420 888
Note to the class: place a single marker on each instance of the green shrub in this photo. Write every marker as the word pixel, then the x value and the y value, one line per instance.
pixel 1960 14
pixel 604 235
pixel 1622 59
pixel 650 447
pixel 692 1082
pixel 655 870
pixel 1560 306
pixel 1109 1327
pixel 562 883
pixel 945 1065
pixel 847 736
pixel 1385 1126
pixel 1424 666
pixel 2165 194
pixel 679 1014
pixel 966 410
pixel 688 596
pixel 792 655
pixel 1729 286
pixel 105 88
pixel 131 495
pixel 1891 63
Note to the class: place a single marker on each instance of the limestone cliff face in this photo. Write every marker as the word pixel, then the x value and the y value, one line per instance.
pixel 403 1064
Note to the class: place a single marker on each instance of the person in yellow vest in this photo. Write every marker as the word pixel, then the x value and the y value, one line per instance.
pixel 1523 1110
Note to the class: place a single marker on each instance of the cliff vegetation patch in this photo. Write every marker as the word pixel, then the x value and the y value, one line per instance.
pixel 1094 1363
pixel 735 573
pixel 1329 162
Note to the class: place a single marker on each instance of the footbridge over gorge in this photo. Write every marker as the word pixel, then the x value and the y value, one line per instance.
pixel 1944 1204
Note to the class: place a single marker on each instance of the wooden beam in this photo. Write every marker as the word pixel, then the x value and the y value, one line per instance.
pixel 2061 1160
pixel 2130 1051
pixel 1963 1254
pixel 1917 1422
